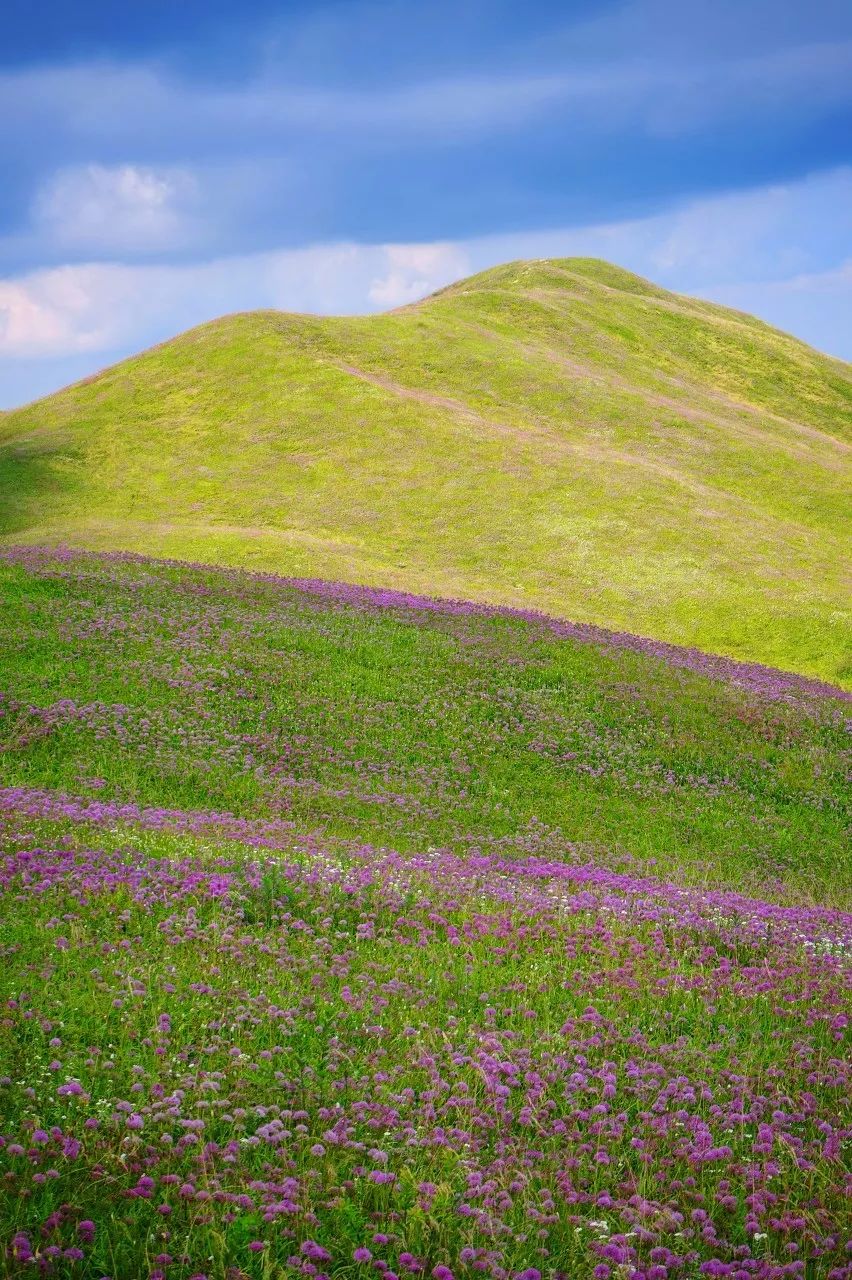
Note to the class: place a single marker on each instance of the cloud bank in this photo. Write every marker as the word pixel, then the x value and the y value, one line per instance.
pixel 750 250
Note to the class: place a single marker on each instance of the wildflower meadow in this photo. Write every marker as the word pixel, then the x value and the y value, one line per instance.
pixel 351 934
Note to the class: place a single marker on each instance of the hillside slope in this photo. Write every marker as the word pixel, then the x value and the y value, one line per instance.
pixel 407 723
pixel 336 921
pixel 556 434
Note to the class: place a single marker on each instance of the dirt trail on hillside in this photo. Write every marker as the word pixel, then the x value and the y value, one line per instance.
pixel 587 448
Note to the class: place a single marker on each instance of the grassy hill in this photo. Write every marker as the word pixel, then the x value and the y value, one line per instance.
pixel 552 434
pixel 343 928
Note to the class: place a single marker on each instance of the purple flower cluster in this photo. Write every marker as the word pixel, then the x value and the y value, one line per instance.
pixel 756 677
pixel 423 1066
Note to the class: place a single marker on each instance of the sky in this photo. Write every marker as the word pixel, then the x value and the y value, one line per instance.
pixel 164 163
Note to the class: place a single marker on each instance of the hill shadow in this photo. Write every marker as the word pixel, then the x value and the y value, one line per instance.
pixel 30 473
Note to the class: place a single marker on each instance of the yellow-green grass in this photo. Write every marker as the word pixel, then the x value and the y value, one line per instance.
pixel 555 434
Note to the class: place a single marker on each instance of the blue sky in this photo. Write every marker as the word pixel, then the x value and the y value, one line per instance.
pixel 164 163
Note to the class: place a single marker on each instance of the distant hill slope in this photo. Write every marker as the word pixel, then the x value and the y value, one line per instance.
pixel 553 434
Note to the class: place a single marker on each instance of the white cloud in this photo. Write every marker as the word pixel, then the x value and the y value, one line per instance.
pixel 108 306
pixel 125 208
pixel 718 236
pixel 28 325
pixel 415 270
pixel 54 313
pixel 746 249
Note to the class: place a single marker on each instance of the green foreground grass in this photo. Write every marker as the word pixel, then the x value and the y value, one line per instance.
pixel 336 934
pixel 557 434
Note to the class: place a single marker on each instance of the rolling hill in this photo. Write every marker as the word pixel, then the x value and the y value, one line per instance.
pixel 557 435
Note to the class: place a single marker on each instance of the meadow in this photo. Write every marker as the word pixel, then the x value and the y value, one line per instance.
pixel 348 933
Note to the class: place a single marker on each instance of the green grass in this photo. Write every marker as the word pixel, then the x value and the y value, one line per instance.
pixel 197 691
pixel 556 434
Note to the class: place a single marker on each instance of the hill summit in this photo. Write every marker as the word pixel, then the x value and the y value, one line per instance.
pixel 559 435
